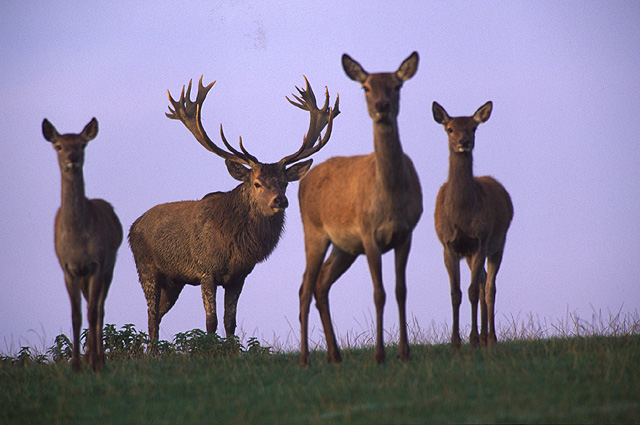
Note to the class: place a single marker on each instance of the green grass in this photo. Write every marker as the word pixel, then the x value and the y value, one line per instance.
pixel 584 377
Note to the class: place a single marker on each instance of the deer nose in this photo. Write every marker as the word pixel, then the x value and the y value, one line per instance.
pixel 464 145
pixel 280 202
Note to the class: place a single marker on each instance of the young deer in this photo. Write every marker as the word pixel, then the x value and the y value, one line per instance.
pixel 87 236
pixel 361 204
pixel 218 240
pixel 471 218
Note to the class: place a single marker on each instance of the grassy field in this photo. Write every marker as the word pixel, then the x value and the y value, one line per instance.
pixel 196 379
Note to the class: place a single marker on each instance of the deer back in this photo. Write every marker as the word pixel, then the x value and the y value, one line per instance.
pixel 224 232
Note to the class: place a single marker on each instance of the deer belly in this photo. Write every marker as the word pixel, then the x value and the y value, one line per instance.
pixel 348 240
pixel 463 245
pixel 390 235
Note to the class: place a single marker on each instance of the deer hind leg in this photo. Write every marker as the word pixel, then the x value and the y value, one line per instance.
pixel 402 255
pixel 374 258
pixel 73 288
pixel 478 278
pixel 337 263
pixel 152 292
pixel 209 288
pixel 452 263
pixel 315 250
pixel 493 265
pixel 231 295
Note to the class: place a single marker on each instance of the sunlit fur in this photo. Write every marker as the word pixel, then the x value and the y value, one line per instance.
pixel 366 204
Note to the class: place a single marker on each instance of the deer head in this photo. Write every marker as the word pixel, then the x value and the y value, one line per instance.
pixel 461 130
pixel 266 183
pixel 382 90
pixel 70 147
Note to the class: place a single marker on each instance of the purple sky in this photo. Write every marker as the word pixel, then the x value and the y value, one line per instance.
pixel 564 79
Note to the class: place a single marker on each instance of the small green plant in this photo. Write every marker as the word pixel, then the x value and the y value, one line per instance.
pixel 127 343
pixel 198 342
pixel 124 344
pixel 61 350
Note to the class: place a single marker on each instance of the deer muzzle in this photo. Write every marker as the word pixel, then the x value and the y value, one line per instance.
pixel 279 203
pixel 72 162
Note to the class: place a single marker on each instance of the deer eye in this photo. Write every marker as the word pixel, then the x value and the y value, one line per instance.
pixel 58 147
pixel 449 130
pixel 257 185
pixel 366 89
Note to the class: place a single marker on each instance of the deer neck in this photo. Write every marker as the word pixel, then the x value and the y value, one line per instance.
pixel 74 203
pixel 264 230
pixel 461 187
pixel 389 155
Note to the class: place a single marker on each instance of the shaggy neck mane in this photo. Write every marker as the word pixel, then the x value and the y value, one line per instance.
pixel 257 233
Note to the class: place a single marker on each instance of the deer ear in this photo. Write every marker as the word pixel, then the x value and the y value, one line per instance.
pixel 409 67
pixel 238 171
pixel 49 131
pixel 90 130
pixel 483 113
pixel 353 69
pixel 297 171
pixel 439 114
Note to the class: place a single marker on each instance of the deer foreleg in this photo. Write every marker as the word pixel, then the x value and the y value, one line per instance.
pixel 452 263
pixel 402 255
pixel 483 308
pixel 104 289
pixel 94 337
pixel 478 278
pixel 231 295
pixel 374 258
pixel 209 299
pixel 73 288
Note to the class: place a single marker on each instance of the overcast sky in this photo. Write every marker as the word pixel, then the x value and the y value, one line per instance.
pixel 564 78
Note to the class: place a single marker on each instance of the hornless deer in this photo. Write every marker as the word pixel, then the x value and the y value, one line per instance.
pixel 472 217
pixel 218 240
pixel 87 236
pixel 361 204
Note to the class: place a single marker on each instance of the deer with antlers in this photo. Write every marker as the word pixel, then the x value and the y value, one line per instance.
pixel 218 240
pixel 367 204
pixel 472 217
pixel 88 234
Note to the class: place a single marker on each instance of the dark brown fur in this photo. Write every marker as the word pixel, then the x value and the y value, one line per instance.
pixel 361 204
pixel 87 236
pixel 472 217
pixel 218 240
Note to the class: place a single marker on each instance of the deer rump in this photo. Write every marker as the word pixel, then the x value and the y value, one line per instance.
pixel 180 243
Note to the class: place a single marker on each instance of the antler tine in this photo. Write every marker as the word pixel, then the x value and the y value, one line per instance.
pixel 189 112
pixel 244 155
pixel 319 119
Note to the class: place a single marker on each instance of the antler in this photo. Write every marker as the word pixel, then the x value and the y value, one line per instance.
pixel 319 118
pixel 190 114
